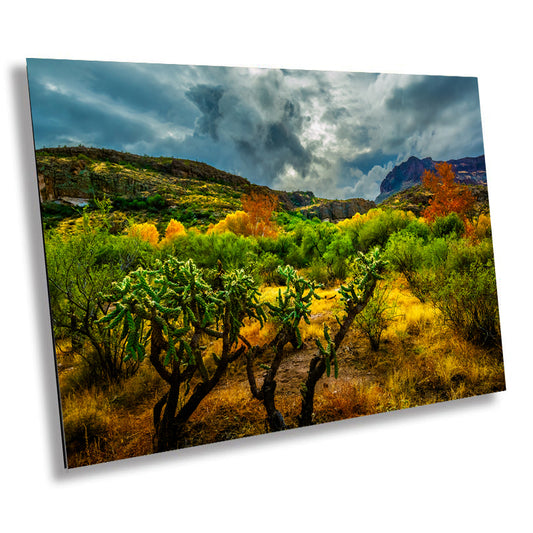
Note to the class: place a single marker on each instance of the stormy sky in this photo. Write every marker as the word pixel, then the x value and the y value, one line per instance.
pixel 337 134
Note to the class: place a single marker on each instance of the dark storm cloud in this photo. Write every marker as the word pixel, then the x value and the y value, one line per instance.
pixel 429 97
pixel 278 143
pixel 335 133
pixel 127 84
pixel 207 98
pixel 366 162
pixel 430 104
pixel 286 143
pixel 130 85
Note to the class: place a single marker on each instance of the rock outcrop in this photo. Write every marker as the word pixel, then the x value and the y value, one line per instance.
pixel 335 210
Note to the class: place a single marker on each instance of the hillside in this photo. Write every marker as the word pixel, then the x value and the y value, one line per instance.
pixel 416 199
pixel 189 191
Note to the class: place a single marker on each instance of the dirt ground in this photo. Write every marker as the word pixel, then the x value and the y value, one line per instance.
pixel 295 366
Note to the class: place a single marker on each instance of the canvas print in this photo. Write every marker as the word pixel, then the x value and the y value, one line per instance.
pixel 238 251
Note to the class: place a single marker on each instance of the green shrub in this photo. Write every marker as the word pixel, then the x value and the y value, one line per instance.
pixel 80 269
pixel 404 252
pixel 377 230
pixel 295 257
pixel 53 213
pixel 338 256
pixel 140 203
pixel 417 261
pixel 418 229
pixel 435 253
pixel 469 303
pixel 316 239
pixel 450 225
pixel 378 314
pixel 267 268
pixel 462 255
pixel 233 251
pixel 83 157
pixel 280 245
pixel 156 202
pixel 125 253
pixel 318 272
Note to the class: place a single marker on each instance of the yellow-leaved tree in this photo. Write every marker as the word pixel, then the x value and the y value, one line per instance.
pixel 174 230
pixel 238 223
pixel 145 231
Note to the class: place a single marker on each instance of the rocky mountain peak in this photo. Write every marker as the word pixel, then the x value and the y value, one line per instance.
pixel 469 170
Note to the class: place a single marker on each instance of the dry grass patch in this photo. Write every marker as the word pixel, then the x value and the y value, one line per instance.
pixel 440 366
pixel 227 413
pixel 347 399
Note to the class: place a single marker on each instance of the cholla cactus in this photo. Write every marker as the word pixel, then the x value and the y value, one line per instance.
pixel 354 296
pixel 293 304
pixel 166 312
pixel 329 353
pixel 368 272
pixel 290 307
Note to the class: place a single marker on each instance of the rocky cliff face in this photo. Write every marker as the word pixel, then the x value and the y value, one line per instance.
pixel 469 170
pixel 72 178
pixel 336 210
pixel 67 170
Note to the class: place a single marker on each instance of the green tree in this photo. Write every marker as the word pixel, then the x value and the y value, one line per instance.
pixel 468 302
pixel 79 268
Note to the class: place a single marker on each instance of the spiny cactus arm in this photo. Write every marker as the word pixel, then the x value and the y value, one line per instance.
pixel 329 353
pixel 211 332
pixel 292 305
pixel 358 291
pixel 158 344
pixel 240 300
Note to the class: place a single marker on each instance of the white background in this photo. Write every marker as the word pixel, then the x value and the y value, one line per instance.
pixel 461 466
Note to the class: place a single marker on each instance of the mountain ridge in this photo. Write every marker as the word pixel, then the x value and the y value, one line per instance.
pixel 76 175
pixel 202 194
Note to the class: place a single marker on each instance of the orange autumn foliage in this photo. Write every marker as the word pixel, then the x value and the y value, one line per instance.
pixel 145 231
pixel 260 207
pixel 255 220
pixel 448 195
